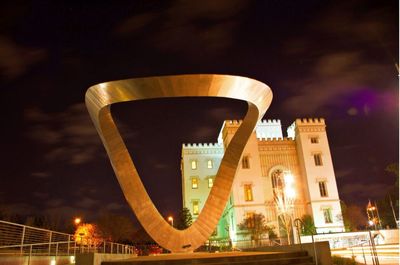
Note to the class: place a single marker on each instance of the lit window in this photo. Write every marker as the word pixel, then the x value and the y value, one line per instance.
pixel 209 164
pixel 195 183
pixel 195 207
pixel 210 182
pixel 245 162
pixel 250 219
pixel 248 192
pixel 328 215
pixel 322 189
pixel 194 164
pixel 318 159
pixel 314 140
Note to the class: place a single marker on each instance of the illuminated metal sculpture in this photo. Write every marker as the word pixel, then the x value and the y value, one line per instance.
pixel 98 101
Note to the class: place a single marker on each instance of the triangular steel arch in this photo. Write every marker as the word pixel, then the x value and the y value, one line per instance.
pixel 100 97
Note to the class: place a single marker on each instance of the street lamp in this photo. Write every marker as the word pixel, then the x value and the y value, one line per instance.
pixel 171 220
pixel 81 234
pixel 373 219
pixel 77 220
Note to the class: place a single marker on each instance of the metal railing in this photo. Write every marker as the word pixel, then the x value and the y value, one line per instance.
pixel 364 246
pixel 21 240
pixel 225 244
pixel 17 234
pixel 300 226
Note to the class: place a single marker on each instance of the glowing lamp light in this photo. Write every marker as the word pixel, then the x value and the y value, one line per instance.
pixel 371 223
pixel 290 192
pixel 289 179
pixel 171 219
pixel 77 220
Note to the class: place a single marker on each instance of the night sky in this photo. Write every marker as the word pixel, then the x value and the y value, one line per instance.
pixel 331 59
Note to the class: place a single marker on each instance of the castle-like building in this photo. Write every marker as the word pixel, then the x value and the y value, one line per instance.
pixel 277 177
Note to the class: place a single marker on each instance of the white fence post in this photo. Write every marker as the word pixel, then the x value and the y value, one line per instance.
pixel 68 245
pixel 51 234
pixel 30 254
pixel 22 240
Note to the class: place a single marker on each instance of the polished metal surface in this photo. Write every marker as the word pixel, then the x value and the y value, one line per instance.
pixel 98 101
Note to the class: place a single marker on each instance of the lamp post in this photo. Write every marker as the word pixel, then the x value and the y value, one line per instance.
pixel 81 235
pixel 374 219
pixel 171 220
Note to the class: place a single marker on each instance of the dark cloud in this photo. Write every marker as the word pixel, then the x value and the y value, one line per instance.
pixel 187 26
pixel 135 24
pixel 87 202
pixel 358 27
pixel 85 190
pixel 65 213
pixel 113 206
pixel 55 202
pixel 339 62
pixel 161 166
pixel 334 76
pixel 186 10
pixel 205 131
pixel 40 195
pixel 16 59
pixel 20 209
pixel 70 135
pixel 344 172
pixel 364 191
pixel 40 175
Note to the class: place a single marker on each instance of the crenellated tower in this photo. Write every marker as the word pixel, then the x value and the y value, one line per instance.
pixel 321 195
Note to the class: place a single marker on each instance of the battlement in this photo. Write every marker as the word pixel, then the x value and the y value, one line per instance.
pixel 270 122
pixel 310 121
pixel 234 122
pixel 202 145
pixel 305 124
pixel 279 140
pixel 263 122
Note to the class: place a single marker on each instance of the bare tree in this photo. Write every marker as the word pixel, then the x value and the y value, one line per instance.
pixel 284 196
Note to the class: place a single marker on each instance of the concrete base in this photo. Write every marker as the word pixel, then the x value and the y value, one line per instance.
pixel 36 260
pixel 322 251
pixel 98 258
pixel 225 258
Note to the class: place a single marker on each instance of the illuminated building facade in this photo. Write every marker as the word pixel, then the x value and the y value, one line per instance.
pixel 278 176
